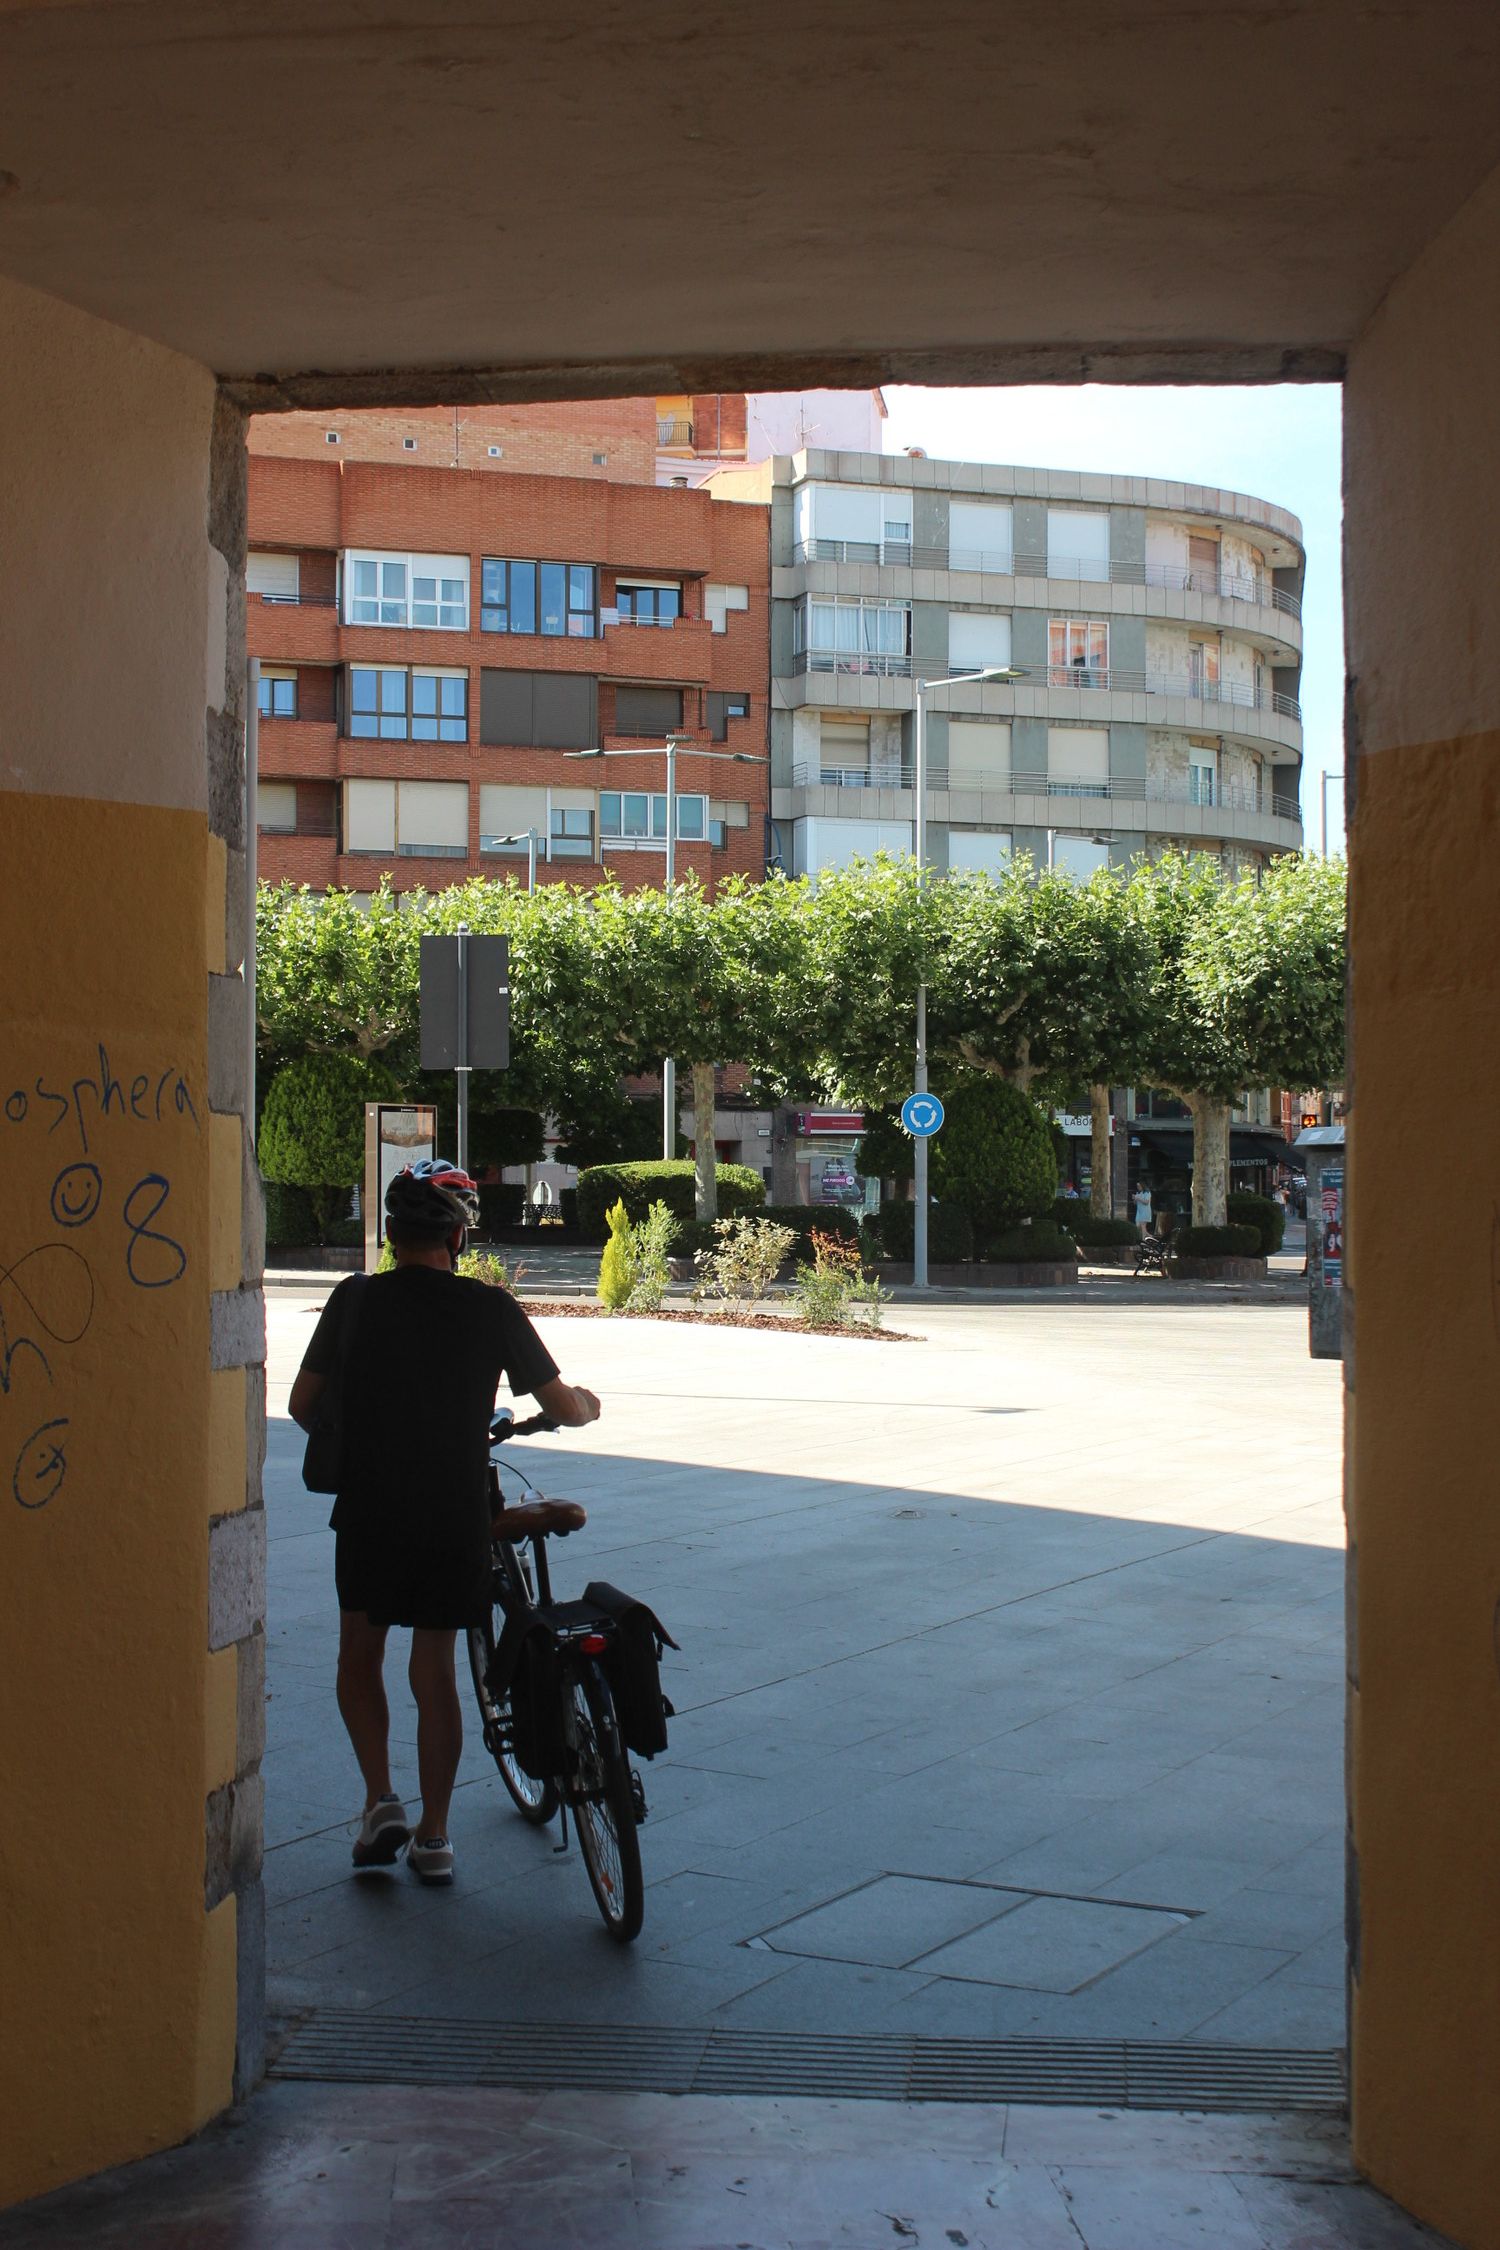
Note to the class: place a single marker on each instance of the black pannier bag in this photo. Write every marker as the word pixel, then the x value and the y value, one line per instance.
pixel 525 1668
pixel 632 1667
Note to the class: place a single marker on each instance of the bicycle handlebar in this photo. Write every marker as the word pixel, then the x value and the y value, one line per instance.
pixel 505 1426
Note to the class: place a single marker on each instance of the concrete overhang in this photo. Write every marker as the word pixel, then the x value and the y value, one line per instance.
pixel 432 199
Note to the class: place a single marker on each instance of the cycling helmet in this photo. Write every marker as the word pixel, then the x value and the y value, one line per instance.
pixel 433 1196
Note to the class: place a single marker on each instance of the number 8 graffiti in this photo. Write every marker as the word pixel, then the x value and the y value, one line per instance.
pixel 140 1260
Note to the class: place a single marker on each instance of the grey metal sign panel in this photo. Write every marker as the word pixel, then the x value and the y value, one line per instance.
pixel 487 998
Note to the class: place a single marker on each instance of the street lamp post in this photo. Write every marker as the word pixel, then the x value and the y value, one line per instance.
pixel 531 839
pixel 668 750
pixel 1333 773
pixel 919 747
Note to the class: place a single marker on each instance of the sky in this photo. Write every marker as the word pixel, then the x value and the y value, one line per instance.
pixel 1280 443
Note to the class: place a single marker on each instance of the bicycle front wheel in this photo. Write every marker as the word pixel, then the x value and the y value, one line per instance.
pixel 603 1809
pixel 535 1801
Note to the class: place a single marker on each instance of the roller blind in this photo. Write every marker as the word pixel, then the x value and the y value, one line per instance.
pixel 1077 544
pixel 276 806
pixel 980 536
pixel 977 851
pixel 507 809
pixel 273 574
pixel 369 816
pixel 977 638
pixel 978 750
pixel 1078 753
pixel 433 812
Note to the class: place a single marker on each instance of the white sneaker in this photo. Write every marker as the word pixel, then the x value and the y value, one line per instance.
pixel 430 1858
pixel 382 1833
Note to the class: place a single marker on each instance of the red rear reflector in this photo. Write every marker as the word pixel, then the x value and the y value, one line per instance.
pixel 593 1644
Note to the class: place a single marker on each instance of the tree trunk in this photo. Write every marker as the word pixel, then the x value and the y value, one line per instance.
pixel 1101 1182
pixel 1210 1160
pixel 706 1185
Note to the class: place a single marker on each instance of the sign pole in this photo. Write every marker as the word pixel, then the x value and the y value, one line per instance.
pixel 462 1065
pixel 919 746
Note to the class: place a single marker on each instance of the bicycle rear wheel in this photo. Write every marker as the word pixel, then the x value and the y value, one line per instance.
pixel 535 1801
pixel 603 1808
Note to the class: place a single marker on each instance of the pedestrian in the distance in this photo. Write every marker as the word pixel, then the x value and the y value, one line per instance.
pixel 1143 1207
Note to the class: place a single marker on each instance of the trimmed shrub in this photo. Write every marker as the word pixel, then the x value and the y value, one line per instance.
pixel 885 1148
pixel 290 1224
pixel 638 1186
pixel 1042 1241
pixel 1215 1242
pixel 501 1206
pixel 616 1267
pixel 891 1232
pixel 567 1203
pixel 1090 1233
pixel 1264 1214
pixel 994 1156
pixel 312 1130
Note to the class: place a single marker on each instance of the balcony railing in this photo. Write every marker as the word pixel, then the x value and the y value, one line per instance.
pixel 901 554
pixel 870 663
pixel 629 618
pixel 1232 796
pixel 298 601
pixel 674 430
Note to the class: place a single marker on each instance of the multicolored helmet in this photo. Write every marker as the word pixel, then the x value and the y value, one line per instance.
pixel 433 1196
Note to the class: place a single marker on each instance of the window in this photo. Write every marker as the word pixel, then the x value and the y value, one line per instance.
pixel 408 445
pixel 1079 856
pixel 647 602
pixel 980 536
pixel 276 808
pixel 722 707
pixel 427 819
pixel 855 636
pixel 396 705
pixel 428 591
pixel 330 437
pixel 854 523
pixel 977 851
pixel 978 753
pixel 977 639
pixel 718 601
pixel 1203 562
pixel 506 811
pixel 844 750
pixel 539 710
pixel 1203 668
pixel 276 695
pixel 635 816
pixel 1203 774
pixel 1077 544
pixel 557 600
pixel 572 832
pixel 1078 761
pixel 276 578
pixel 647 710
pixel 1078 652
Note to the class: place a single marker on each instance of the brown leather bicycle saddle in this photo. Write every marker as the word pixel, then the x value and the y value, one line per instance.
pixel 530 1519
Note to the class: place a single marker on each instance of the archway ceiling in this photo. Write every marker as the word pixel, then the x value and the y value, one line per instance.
pixel 453 200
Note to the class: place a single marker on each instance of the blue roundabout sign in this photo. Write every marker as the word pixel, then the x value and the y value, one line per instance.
pixel 922 1115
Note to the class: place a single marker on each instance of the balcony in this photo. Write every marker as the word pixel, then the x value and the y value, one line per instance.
pixel 1006 563
pixel 1192 687
pixel 1230 797
pixel 643 649
pixel 292 629
pixel 298 749
pixel 861 663
pixel 674 433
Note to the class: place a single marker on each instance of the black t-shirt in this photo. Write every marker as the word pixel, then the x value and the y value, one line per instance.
pixel 424 1354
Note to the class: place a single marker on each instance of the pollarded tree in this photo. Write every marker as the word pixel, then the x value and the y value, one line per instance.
pixel 333 976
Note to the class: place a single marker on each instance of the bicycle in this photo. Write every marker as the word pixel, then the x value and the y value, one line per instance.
pixel 595 1780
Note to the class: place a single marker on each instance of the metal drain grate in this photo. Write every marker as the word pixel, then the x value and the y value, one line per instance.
pixel 343 2046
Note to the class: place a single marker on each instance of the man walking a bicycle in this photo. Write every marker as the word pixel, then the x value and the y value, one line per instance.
pixel 411 1361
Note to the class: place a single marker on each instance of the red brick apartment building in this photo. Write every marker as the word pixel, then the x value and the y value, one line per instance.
pixel 435 640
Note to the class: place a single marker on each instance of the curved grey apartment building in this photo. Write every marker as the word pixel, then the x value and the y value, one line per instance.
pixel 1156 629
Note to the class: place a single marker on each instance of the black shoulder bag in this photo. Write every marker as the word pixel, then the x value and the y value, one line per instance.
pixel 324 1459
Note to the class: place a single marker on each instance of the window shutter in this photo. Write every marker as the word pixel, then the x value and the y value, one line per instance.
pixel 978 751
pixel 277 575
pixel 433 812
pixel 369 816
pixel 565 711
pixel 647 710
pixel 505 702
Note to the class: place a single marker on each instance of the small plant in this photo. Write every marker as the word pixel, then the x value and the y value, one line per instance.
pixel 829 1289
pixel 746 1257
pixel 487 1266
pixel 651 1241
pixel 386 1262
pixel 617 1266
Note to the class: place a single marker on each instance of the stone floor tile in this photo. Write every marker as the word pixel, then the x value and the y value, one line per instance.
pixel 1299 2145
pixel 1316 2215
pixel 890 1922
pixel 1125 2209
pixel 1282 2012
pixel 1051 1944
pixel 1159 1994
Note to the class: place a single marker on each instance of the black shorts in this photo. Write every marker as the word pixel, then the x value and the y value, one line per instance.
pixel 440 1586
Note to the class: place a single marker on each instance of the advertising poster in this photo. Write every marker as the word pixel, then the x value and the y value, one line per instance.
pixel 1331 1208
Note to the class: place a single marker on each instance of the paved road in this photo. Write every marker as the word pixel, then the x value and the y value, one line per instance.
pixel 1010 1694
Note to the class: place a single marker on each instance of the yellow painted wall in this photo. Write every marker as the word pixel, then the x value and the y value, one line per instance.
pixel 118 1987
pixel 1423 500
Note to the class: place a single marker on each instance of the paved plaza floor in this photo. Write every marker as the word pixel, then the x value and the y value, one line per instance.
pixel 1009 1700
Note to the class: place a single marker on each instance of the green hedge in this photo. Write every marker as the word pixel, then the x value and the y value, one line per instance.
pixel 501 1206
pixel 1042 1240
pixel 890 1233
pixel 1076 1219
pixel 1261 1212
pixel 1215 1242
pixel 289 1217
pixel 640 1185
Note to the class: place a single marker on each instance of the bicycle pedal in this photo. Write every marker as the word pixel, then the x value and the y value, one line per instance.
pixel 637 1797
